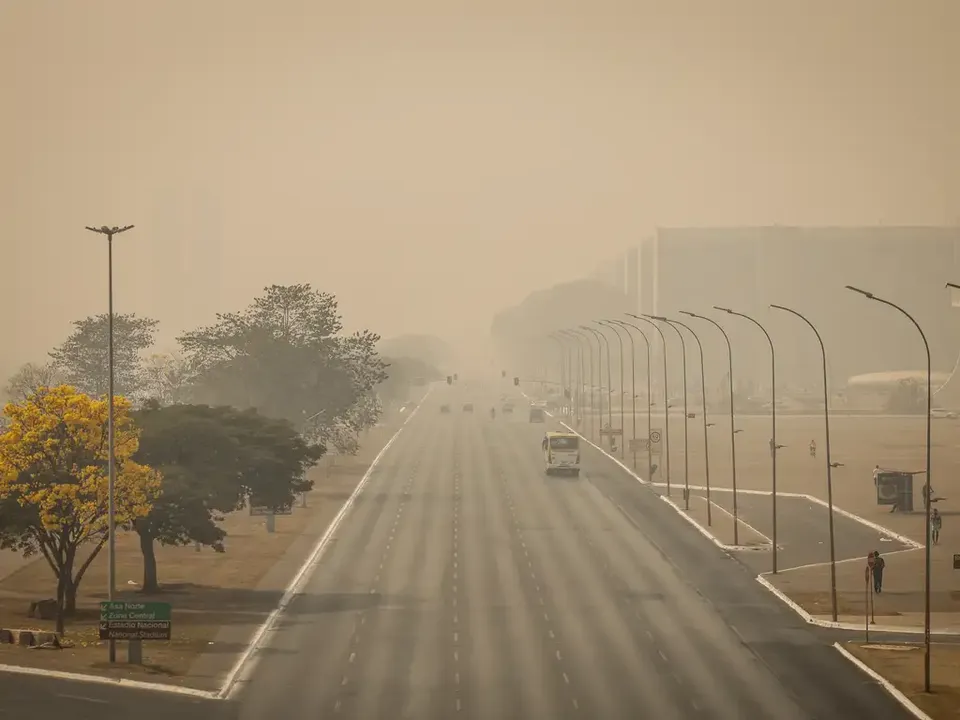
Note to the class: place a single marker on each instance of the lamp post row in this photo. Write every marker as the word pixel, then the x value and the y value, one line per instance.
pixel 578 336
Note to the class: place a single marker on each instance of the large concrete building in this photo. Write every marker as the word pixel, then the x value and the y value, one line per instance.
pixel 806 269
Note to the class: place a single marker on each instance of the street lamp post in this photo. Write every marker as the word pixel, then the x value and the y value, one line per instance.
pixel 623 422
pixel 646 342
pixel 563 362
pixel 826 423
pixel 609 386
pixel 578 381
pixel 666 403
pixel 686 434
pixel 774 448
pixel 733 430
pixel 703 400
pixel 111 456
pixel 599 378
pixel 585 380
pixel 928 489
pixel 633 387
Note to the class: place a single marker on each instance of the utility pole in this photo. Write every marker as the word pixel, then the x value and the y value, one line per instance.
pixel 111 459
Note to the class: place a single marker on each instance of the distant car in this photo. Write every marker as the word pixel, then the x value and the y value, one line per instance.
pixel 468 407
pixel 507 408
pixel 537 415
pixel 444 409
pixel 944 414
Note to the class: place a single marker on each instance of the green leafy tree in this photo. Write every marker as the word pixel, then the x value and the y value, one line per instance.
pixel 214 460
pixel 83 358
pixel 282 356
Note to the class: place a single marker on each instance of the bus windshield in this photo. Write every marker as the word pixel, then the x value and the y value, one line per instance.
pixel 564 443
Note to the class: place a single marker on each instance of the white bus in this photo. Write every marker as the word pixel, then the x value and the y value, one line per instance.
pixel 561 453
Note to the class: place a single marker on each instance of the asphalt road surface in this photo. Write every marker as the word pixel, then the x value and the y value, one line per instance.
pixel 466 584
pixel 803 533
pixel 31 697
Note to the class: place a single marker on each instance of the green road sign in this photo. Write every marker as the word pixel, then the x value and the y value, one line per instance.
pixel 121 620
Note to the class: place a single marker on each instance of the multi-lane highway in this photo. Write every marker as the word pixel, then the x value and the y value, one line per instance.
pixel 465 583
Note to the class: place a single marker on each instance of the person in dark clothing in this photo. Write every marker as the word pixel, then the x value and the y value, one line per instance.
pixel 878 565
pixel 936 522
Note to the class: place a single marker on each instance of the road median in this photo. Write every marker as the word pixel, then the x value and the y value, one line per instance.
pixel 218 600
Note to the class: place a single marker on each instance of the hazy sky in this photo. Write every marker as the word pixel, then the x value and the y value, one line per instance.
pixel 433 162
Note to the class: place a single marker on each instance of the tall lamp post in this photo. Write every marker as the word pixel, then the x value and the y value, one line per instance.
pixel 623 422
pixel 633 387
pixel 686 412
pixel 585 379
pixel 111 456
pixel 646 341
pixel 733 430
pixel 826 424
pixel 599 377
pixel 928 488
pixel 774 448
pixel 703 400
pixel 563 361
pixel 609 383
pixel 576 338
pixel 666 403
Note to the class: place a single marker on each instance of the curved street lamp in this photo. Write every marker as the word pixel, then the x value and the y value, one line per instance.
pixel 703 399
pixel 666 403
pixel 599 386
pixel 733 430
pixel 646 340
pixel 830 465
pixel 623 423
pixel 773 421
pixel 606 342
pixel 576 338
pixel 686 412
pixel 928 487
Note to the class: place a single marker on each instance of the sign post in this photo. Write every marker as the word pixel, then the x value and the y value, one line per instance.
pixel 135 622
pixel 270 514
pixel 655 445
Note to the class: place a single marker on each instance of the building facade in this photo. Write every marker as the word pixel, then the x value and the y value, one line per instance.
pixel 807 269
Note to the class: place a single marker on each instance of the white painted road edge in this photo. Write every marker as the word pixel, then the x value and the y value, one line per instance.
pixel 807 617
pixel 884 683
pixel 247 661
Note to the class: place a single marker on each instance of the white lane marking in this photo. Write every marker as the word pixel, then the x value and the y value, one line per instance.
pixel 247 661
pixel 84 699
pixel 740 520
pixel 884 683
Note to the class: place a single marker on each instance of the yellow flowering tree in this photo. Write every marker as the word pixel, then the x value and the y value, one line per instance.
pixel 54 480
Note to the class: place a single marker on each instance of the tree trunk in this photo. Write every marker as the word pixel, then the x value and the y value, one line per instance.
pixel 150 582
pixel 61 592
pixel 70 598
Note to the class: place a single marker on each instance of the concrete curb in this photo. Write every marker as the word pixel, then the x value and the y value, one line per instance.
pixel 884 683
pixel 245 664
pixel 807 617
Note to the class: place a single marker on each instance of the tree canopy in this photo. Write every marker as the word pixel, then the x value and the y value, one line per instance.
pixel 214 460
pixel 53 481
pixel 83 358
pixel 29 378
pixel 282 356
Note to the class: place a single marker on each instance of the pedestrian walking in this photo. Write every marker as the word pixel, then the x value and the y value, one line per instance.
pixel 878 566
pixel 936 521
pixel 813 448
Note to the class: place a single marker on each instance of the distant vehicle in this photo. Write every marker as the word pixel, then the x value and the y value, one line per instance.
pixel 444 409
pixel 537 415
pixel 468 407
pixel 507 408
pixel 943 414
pixel 561 453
